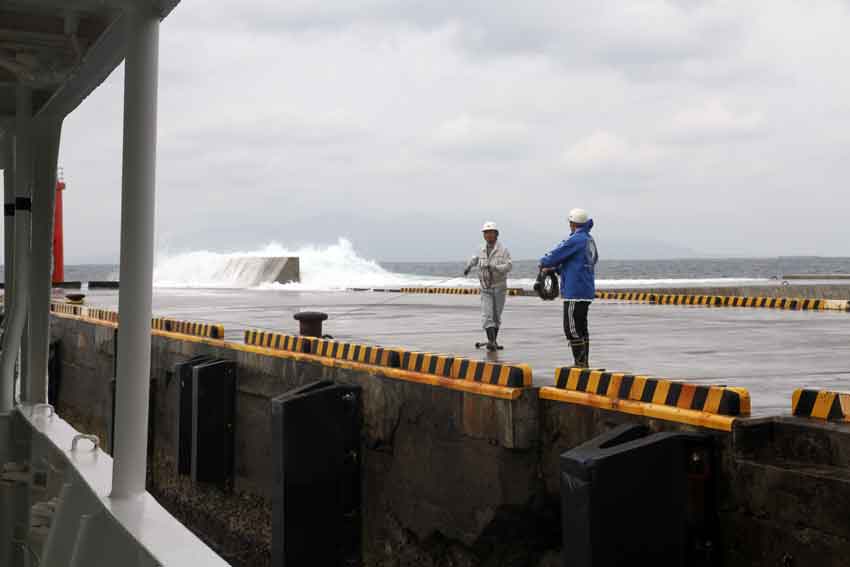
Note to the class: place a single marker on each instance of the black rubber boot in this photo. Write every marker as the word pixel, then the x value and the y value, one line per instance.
pixel 580 353
pixel 491 338
pixel 496 336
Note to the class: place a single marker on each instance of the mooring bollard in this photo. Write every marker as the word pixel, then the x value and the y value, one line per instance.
pixel 311 323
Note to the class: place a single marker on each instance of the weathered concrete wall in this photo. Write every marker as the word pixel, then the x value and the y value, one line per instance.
pixel 456 478
pixel 88 364
pixel 448 475
pixel 788 494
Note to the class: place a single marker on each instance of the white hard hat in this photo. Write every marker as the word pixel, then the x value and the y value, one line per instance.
pixel 489 225
pixel 578 216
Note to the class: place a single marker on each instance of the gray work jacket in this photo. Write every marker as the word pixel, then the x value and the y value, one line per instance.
pixel 493 267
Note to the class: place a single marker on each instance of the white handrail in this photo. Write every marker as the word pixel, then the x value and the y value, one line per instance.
pixel 51 410
pixel 83 436
pixel 137 527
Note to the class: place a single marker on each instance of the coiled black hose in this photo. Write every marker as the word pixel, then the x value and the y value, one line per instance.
pixel 546 285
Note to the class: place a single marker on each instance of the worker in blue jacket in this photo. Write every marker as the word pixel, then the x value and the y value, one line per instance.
pixel 574 259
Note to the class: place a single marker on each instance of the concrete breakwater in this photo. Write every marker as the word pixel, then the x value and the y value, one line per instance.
pixel 467 474
pixel 258 270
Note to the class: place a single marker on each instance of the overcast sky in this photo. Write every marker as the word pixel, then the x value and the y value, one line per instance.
pixel 721 128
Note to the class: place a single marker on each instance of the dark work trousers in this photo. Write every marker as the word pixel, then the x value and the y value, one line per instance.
pixel 575 329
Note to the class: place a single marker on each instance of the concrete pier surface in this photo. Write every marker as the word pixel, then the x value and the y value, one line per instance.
pixel 769 352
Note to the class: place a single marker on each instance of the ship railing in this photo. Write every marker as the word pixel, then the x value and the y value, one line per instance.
pixel 56 508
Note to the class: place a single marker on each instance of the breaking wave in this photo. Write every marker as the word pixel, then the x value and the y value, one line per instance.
pixel 338 267
pixel 328 268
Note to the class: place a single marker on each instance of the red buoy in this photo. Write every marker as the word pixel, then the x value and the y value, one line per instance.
pixel 58 236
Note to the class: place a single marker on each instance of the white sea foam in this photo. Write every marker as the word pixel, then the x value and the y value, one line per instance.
pixel 339 267
pixel 328 268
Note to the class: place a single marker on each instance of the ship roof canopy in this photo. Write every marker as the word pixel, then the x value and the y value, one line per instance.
pixel 61 49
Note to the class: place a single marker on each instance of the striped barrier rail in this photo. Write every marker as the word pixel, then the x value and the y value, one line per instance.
pixel 630 296
pixel 715 407
pixel 353 352
pixel 787 303
pixel 206 330
pixel 821 404
pixel 447 366
pixel 164 324
pixel 66 308
pixel 278 341
pixel 501 380
pixel 106 315
pixel 455 290
pixel 443 290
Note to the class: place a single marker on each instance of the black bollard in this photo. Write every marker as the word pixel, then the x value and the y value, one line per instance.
pixel 311 323
pixel 76 298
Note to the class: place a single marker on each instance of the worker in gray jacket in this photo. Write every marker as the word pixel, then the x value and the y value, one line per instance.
pixel 493 262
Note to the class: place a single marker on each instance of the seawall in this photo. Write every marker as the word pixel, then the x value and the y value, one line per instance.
pixel 453 476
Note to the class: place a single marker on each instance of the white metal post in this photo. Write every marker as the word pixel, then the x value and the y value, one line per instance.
pixel 8 217
pixel 17 315
pixel 137 249
pixel 46 150
pixel 8 150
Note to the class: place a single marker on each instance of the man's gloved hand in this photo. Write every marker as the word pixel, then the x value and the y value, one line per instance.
pixel 466 272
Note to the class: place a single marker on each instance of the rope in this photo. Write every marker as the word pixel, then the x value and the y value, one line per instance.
pixel 390 300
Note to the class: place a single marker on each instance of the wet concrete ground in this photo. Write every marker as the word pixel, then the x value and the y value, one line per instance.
pixel 769 352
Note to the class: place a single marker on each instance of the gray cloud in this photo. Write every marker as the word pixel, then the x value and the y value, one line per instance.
pixel 639 38
pixel 709 125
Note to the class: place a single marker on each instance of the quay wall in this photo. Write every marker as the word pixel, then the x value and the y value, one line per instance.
pixel 454 477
